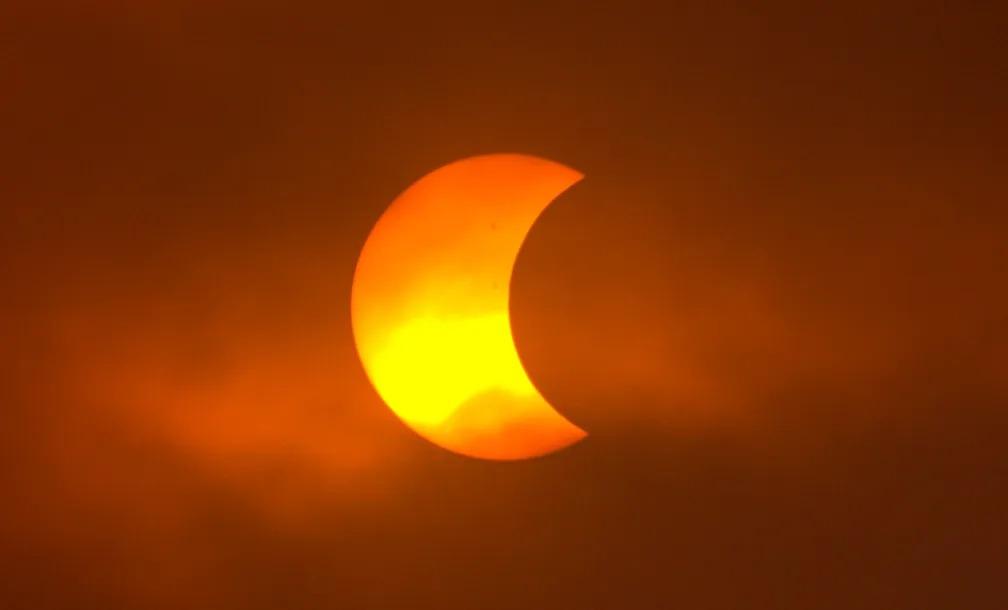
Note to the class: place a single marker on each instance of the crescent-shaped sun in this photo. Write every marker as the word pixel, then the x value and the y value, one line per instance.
pixel 429 307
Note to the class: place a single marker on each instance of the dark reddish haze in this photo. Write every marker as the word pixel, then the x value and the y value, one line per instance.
pixel 779 302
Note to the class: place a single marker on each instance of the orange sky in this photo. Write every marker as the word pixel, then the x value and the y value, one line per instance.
pixel 777 302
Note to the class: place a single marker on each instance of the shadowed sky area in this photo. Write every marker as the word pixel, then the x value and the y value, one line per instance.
pixel 778 302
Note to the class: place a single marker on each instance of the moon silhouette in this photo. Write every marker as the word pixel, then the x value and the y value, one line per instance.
pixel 429 307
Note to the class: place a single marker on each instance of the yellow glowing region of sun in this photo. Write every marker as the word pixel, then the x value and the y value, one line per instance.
pixel 430 307
pixel 409 365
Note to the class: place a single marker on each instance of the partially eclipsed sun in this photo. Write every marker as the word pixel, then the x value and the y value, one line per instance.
pixel 430 307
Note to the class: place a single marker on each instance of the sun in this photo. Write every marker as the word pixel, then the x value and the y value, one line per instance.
pixel 430 307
